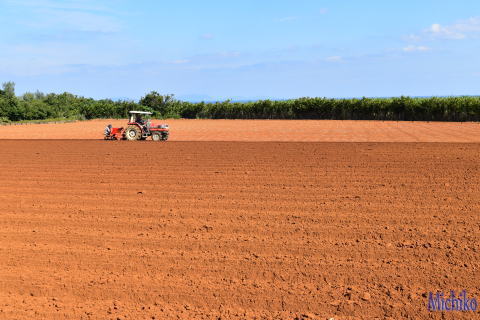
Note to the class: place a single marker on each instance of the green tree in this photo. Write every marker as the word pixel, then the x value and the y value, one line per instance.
pixel 28 96
pixel 159 103
pixel 8 89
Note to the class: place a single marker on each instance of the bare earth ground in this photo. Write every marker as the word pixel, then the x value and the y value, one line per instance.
pixel 266 130
pixel 239 230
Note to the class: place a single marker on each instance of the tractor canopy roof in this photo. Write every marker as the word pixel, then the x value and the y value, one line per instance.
pixel 140 112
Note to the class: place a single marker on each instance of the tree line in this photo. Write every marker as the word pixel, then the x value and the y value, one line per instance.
pixel 40 106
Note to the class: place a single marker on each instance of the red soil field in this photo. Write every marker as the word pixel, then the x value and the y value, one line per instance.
pixel 267 130
pixel 239 230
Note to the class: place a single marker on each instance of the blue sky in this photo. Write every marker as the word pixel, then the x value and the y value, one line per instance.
pixel 242 49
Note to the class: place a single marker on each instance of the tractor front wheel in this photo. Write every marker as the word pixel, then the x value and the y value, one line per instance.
pixel 133 133
pixel 156 136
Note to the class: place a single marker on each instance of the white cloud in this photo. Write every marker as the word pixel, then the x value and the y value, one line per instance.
pixel 448 32
pixel 334 59
pixel 463 29
pixel 412 48
pixel 76 15
pixel 57 4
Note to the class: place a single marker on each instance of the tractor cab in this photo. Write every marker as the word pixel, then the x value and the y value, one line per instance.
pixel 137 117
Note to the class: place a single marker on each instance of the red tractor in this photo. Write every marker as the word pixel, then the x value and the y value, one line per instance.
pixel 138 129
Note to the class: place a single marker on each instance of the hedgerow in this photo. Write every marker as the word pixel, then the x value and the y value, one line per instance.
pixel 39 106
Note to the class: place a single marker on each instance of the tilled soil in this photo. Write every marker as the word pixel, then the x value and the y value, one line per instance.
pixel 223 230
pixel 266 130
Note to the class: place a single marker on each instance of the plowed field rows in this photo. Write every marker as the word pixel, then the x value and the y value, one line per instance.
pixel 266 130
pixel 107 230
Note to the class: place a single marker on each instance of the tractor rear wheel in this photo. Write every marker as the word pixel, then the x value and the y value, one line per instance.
pixel 156 136
pixel 133 133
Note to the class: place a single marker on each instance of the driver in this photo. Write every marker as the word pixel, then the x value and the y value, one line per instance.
pixel 108 130
pixel 140 120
